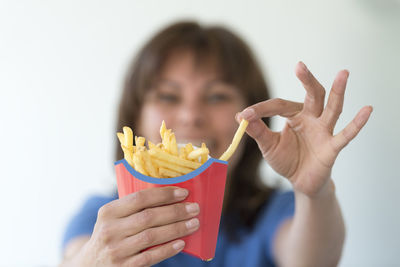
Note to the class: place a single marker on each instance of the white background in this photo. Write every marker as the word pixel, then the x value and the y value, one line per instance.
pixel 61 69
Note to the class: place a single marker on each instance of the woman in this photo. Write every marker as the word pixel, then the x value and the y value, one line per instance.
pixel 197 79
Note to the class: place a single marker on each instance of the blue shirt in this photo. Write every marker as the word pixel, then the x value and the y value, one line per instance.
pixel 254 249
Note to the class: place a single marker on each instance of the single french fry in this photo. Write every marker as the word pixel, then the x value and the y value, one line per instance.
pixel 173 147
pixel 121 138
pixel 236 140
pixel 162 155
pixel 128 136
pixel 195 154
pixel 163 128
pixel 168 173
pixel 139 141
pixel 172 167
pixel 164 141
pixel 128 151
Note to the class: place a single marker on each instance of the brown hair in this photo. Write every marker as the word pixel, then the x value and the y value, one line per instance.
pixel 246 194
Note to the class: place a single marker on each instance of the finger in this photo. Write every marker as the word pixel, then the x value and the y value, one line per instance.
pixel 155 236
pixel 352 129
pixel 140 200
pixel 156 255
pixel 334 107
pixel 315 97
pixel 158 216
pixel 271 107
pixel 265 138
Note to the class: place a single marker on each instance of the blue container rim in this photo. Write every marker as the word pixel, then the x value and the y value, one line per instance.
pixel 173 180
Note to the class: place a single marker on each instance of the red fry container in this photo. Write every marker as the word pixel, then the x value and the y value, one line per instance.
pixel 206 187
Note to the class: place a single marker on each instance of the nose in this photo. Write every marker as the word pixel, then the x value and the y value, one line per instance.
pixel 192 114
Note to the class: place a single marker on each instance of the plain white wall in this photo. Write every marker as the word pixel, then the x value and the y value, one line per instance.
pixel 61 69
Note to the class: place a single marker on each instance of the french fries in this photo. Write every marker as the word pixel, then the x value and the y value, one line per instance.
pixel 165 160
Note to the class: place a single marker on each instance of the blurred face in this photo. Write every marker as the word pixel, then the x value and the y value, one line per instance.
pixel 195 103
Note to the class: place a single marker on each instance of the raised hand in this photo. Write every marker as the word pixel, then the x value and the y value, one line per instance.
pixel 306 149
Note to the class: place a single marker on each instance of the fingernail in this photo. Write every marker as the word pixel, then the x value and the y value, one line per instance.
pixel 303 66
pixel 362 119
pixel 180 193
pixel 193 223
pixel 247 114
pixel 178 245
pixel 192 208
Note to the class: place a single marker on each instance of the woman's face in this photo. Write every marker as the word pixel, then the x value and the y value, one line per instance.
pixel 194 102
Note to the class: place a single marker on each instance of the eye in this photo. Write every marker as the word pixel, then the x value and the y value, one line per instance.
pixel 217 98
pixel 167 97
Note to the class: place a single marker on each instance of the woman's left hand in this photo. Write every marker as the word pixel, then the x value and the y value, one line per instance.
pixel 305 150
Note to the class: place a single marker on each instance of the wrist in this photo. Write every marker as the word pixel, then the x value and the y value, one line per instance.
pixel 326 191
pixel 318 203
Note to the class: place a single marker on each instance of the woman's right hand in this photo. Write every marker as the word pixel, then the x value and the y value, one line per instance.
pixel 127 226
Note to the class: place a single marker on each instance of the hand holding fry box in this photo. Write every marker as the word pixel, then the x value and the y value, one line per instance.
pixel 187 167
